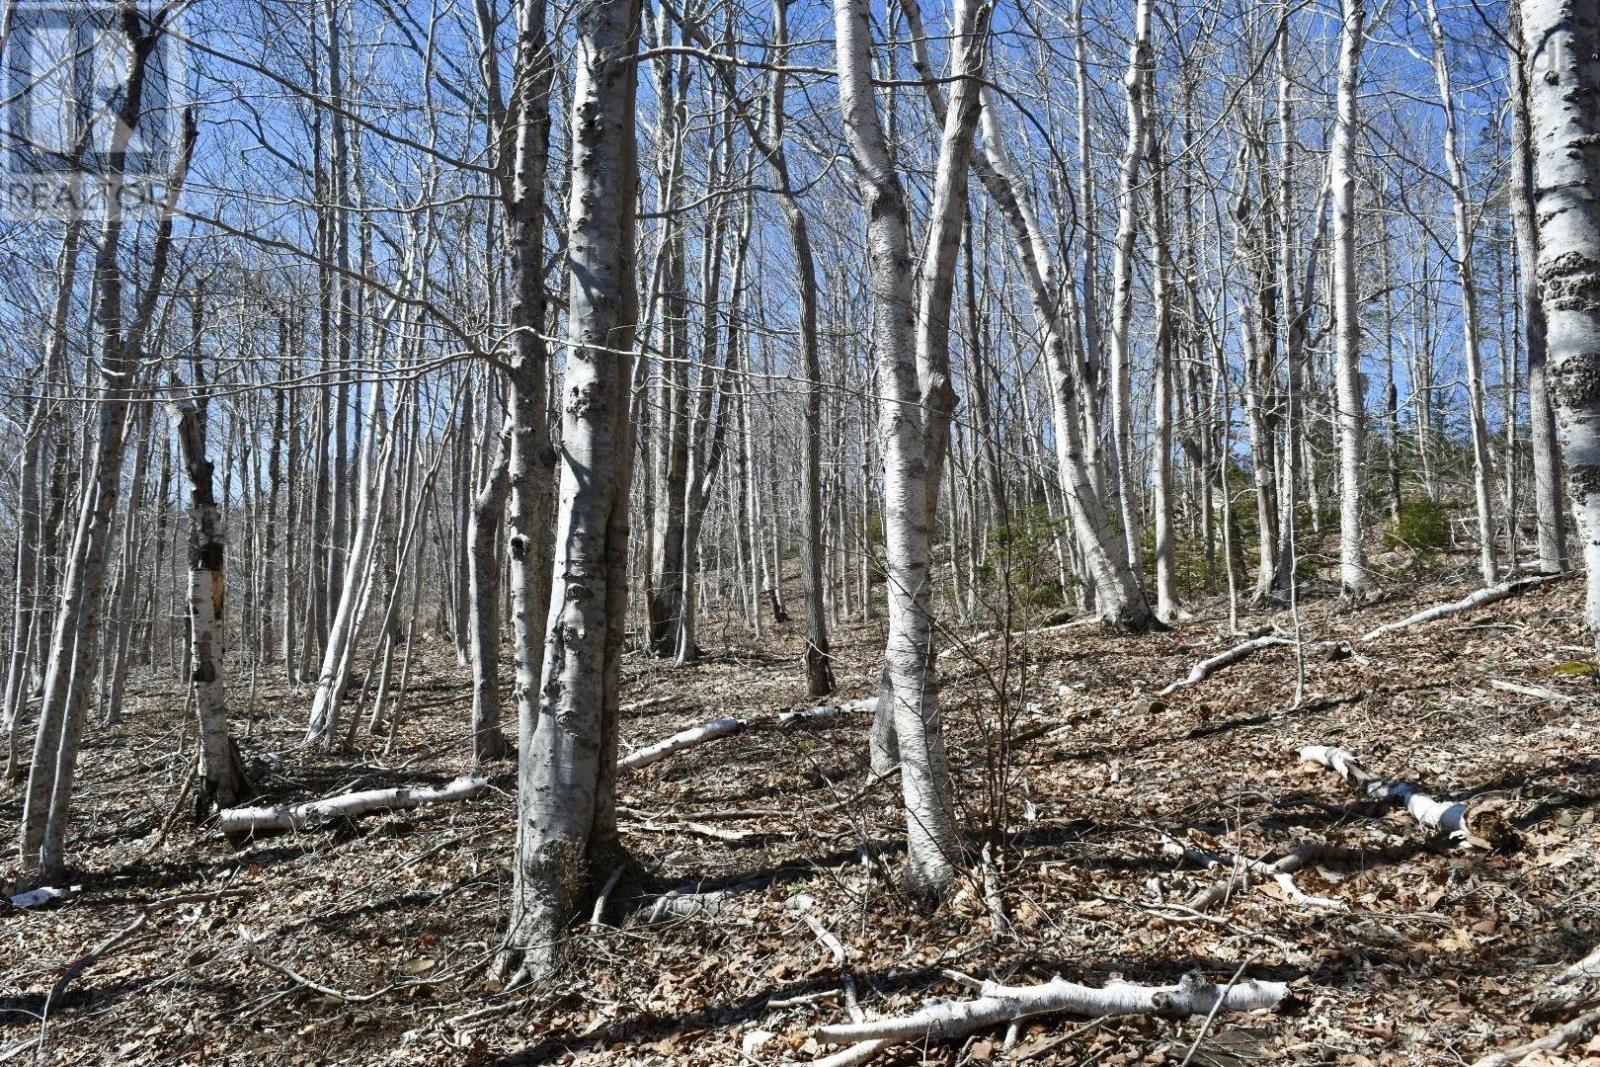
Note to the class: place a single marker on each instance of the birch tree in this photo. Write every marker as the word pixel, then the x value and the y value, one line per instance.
pixel 1561 43
pixel 911 350
pixel 566 809
pixel 1355 578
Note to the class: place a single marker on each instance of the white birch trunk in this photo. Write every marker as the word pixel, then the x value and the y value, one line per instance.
pixel 910 492
pixel 1137 81
pixel 222 781
pixel 566 817
pixel 1481 473
pixel 1355 580
pixel 1561 39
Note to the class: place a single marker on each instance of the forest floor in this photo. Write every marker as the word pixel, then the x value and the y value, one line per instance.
pixel 1440 953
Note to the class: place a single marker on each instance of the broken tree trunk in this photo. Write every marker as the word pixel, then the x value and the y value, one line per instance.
pixel 316 812
pixel 697 735
pixel 1491 595
pixel 1486 828
pixel 1000 1003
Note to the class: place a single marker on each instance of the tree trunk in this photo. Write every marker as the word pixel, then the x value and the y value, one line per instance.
pixel 911 350
pixel 1355 580
pixel 1481 473
pixel 566 817
pixel 1562 42
pixel 1138 84
pixel 1541 417
pixel 222 781
pixel 78 620
pixel 483 601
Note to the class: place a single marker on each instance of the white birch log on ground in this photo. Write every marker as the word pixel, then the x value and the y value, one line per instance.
pixel 1491 595
pixel 688 904
pixel 828 711
pixel 315 812
pixel 1490 829
pixel 1001 1003
pixel 43 895
pixel 1537 691
pixel 1582 971
pixel 696 735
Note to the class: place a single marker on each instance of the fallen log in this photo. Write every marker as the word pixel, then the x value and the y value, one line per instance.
pixel 1001 1003
pixel 1207 667
pixel 1436 815
pixel 691 903
pixel 697 735
pixel 1490 595
pixel 1486 828
pixel 828 711
pixel 316 812
pixel 43 895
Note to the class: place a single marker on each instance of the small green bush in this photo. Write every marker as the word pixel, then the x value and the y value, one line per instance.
pixel 1424 527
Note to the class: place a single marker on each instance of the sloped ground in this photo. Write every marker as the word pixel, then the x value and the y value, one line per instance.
pixel 1441 954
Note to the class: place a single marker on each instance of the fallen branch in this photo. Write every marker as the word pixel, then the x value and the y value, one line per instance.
pixel 1582 971
pixel 1001 1003
pixel 686 904
pixel 1537 691
pixel 1487 830
pixel 994 899
pixel 316 812
pixel 828 711
pixel 1281 871
pixel 1207 667
pixel 1555 1041
pixel 255 953
pixel 685 739
pixel 1483 597
pixel 119 937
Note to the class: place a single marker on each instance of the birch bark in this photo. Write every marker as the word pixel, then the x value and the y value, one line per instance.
pixel 1561 39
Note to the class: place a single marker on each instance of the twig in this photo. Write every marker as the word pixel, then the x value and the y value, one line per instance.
pixel 1211 1016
